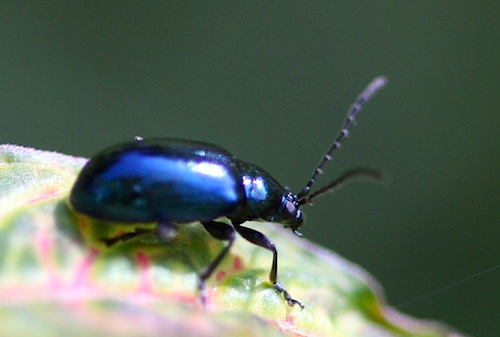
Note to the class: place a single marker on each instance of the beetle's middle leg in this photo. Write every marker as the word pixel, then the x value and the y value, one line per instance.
pixel 220 231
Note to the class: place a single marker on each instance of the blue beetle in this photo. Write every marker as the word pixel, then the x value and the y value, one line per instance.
pixel 173 181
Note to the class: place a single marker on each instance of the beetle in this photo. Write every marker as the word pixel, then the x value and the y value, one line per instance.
pixel 173 182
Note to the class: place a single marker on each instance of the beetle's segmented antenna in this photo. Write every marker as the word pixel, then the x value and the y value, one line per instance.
pixel 370 91
pixel 340 180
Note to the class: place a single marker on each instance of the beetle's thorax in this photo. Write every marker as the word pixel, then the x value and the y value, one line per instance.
pixel 267 199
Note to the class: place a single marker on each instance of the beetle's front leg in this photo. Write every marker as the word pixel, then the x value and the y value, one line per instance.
pixel 263 241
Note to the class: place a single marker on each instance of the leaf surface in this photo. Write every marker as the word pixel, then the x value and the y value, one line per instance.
pixel 57 277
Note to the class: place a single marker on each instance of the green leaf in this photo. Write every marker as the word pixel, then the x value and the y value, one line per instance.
pixel 58 278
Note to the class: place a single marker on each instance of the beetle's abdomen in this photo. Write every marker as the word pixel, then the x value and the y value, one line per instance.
pixel 149 183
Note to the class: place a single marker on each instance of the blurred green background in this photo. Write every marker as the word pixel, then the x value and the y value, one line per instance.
pixel 271 82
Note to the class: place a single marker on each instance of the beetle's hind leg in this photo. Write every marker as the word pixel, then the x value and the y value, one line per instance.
pixel 220 231
pixel 263 241
pixel 164 230
pixel 124 237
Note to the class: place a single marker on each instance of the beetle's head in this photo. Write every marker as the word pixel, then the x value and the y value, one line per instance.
pixel 290 213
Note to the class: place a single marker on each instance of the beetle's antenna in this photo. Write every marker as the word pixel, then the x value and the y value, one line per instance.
pixel 370 91
pixel 337 182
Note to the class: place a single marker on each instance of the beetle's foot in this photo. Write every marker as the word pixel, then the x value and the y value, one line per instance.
pixel 201 289
pixel 289 299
